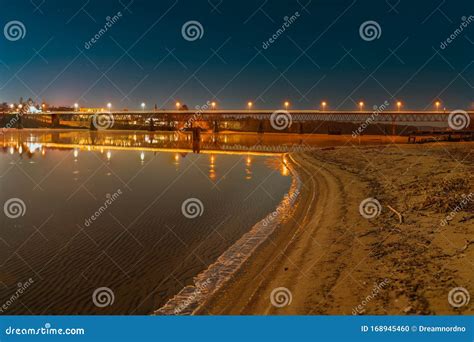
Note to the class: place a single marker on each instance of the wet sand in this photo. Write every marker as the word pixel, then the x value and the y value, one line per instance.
pixel 334 261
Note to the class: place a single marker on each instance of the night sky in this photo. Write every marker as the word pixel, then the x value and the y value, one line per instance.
pixel 143 57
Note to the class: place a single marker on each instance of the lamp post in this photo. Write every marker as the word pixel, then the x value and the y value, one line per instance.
pixel 323 104
pixel 143 105
pixel 109 106
pixel 361 105
pixel 286 104
pixel 437 104
pixel 249 105
pixel 213 105
pixel 76 106
pixel 399 105
pixel 178 105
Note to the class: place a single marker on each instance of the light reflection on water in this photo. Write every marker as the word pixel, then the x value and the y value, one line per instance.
pixel 141 246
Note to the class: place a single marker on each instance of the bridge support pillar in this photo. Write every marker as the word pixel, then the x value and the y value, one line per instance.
pixel 92 127
pixel 19 123
pixel 260 127
pixel 54 121
pixel 151 127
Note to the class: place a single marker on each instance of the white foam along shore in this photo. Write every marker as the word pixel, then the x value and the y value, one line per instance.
pixel 190 298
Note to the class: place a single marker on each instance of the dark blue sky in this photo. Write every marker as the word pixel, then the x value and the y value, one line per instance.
pixel 144 57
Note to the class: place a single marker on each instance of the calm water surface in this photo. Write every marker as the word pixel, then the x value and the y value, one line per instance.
pixel 105 210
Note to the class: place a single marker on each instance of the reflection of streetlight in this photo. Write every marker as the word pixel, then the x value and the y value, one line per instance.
pixel 142 156
pixel 437 104
pixel 361 105
pixel 323 104
pixel 286 104
pixel 249 105
pixel 143 105
pixel 399 105
pixel 109 155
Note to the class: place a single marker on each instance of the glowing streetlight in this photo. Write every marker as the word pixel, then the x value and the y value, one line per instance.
pixel 178 105
pixel 20 106
pixel 286 104
pixel 76 106
pixel 437 104
pixel 109 105
pixel 143 105
pixel 323 104
pixel 361 105
pixel 399 105
pixel 213 105
pixel 12 106
pixel 249 105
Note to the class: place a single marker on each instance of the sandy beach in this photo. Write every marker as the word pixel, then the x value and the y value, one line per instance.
pixel 333 260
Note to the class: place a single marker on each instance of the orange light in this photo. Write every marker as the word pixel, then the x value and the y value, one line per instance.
pixel 287 104
pixel 178 105
pixel 213 105
pixel 249 104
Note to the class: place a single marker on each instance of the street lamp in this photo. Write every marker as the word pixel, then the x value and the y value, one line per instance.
pixel 76 106
pixel 286 104
pixel 437 104
pixel 20 106
pixel 323 104
pixel 213 105
pixel 12 106
pixel 178 105
pixel 399 105
pixel 249 105
pixel 361 105
pixel 109 105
